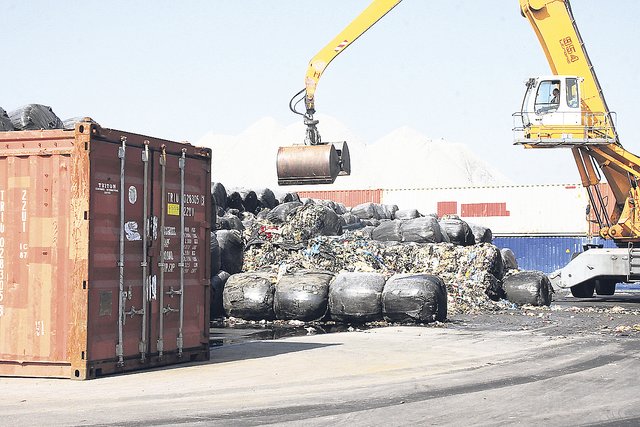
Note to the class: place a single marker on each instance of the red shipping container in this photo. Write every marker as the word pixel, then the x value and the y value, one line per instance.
pixel 349 198
pixel 104 252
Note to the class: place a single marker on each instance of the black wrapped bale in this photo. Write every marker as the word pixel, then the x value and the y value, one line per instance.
pixel 385 211
pixel 356 297
pixel 509 259
pixel 35 117
pixel 302 295
pixel 481 234
pixel 348 218
pixel 5 121
pixel 407 214
pixel 365 211
pixel 229 222
pixel 234 201
pixel 217 288
pixel 341 209
pixel 458 231
pixel 249 200
pixel 279 214
pixel 249 296
pixel 266 199
pixel 219 196
pixel 231 250
pixel 420 298
pixel 388 231
pixel 289 197
pixel 528 287
pixel 215 254
pixel 422 230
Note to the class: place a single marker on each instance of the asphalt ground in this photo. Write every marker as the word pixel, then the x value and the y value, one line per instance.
pixel 574 363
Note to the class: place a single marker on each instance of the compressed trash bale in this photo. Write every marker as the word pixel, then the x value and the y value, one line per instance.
pixel 5 121
pixel 528 287
pixel 365 211
pixel 35 117
pixel 217 288
pixel 302 295
pixel 509 259
pixel 249 296
pixel 388 231
pixel 481 234
pixel 421 230
pixel 356 297
pixel 385 211
pixel 407 214
pixel 249 200
pixel 234 200
pixel 458 231
pixel 310 221
pixel 219 196
pixel 279 214
pixel 231 250
pixel 215 254
pixel 341 209
pixel 348 218
pixel 266 198
pixel 229 222
pixel 420 298
pixel 289 197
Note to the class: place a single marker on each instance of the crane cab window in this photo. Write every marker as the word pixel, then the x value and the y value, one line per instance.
pixel 572 93
pixel 548 96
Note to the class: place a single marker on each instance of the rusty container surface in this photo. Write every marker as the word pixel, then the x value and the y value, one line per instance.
pixel 104 252
pixel 349 198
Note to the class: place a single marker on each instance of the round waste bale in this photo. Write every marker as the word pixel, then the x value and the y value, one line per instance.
pixel 249 200
pixel 217 288
pixel 249 295
pixel 420 298
pixel 35 117
pixel 388 231
pixel 356 297
pixel 458 231
pixel 481 234
pixel 219 196
pixel 215 254
pixel 302 295
pixel 5 121
pixel 279 214
pixel 509 259
pixel 288 197
pixel 229 222
pixel 528 287
pixel 421 230
pixel 407 214
pixel 234 200
pixel 231 250
pixel 266 198
pixel 365 211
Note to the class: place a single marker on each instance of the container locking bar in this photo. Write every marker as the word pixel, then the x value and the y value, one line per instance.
pixel 161 264
pixel 121 300
pixel 181 164
pixel 143 264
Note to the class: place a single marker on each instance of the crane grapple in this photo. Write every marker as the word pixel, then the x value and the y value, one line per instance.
pixel 312 164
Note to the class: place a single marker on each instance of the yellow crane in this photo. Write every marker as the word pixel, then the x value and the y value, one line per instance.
pixel 319 162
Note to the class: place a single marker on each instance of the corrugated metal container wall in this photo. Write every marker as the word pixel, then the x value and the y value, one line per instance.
pixel 610 203
pixel 508 210
pixel 104 252
pixel 349 198
pixel 546 254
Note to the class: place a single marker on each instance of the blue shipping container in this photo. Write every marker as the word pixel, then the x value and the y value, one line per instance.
pixel 546 254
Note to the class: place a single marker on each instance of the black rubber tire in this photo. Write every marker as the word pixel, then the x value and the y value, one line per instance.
pixel 605 286
pixel 583 290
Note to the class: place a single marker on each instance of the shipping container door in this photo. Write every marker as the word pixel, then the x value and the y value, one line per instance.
pixel 180 268
pixel 118 301
pixel 34 256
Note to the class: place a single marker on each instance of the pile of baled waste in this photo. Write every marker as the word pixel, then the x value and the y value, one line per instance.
pixel 316 260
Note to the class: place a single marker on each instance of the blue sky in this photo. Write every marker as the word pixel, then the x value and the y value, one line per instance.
pixel 177 70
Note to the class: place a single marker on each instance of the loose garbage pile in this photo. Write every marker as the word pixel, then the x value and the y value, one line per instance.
pixel 310 260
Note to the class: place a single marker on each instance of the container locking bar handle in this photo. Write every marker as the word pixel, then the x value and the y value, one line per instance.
pixel 161 264
pixel 121 294
pixel 181 265
pixel 143 264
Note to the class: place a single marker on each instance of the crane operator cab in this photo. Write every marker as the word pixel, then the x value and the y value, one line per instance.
pixel 553 115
